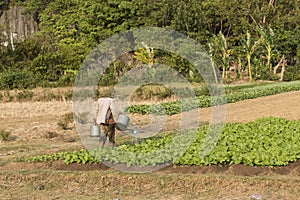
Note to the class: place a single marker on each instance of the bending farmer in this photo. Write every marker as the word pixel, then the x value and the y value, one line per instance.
pixel 106 120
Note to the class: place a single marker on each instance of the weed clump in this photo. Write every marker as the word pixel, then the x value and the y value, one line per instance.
pixel 65 121
pixel 6 136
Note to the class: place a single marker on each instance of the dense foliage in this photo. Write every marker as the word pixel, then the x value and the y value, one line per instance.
pixel 263 142
pixel 251 33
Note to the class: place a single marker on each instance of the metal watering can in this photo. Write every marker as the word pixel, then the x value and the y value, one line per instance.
pixel 95 130
pixel 122 122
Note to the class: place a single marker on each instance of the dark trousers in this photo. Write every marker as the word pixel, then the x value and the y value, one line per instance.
pixel 108 131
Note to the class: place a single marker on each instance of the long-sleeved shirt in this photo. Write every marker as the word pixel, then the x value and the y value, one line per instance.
pixel 103 106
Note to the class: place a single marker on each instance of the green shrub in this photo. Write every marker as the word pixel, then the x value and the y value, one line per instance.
pixel 201 91
pixel 292 73
pixel 266 74
pixel 66 80
pixel 18 79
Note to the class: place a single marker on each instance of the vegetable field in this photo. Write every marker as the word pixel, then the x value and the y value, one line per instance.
pixel 257 155
pixel 264 142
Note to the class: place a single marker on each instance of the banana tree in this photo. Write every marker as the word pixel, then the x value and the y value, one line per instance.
pixel 211 54
pixel 267 40
pixel 220 51
pixel 249 46
pixel 145 55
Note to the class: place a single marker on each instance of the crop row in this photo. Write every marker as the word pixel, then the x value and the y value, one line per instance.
pixel 263 142
pixel 175 107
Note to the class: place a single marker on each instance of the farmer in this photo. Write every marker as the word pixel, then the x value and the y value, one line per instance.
pixel 105 117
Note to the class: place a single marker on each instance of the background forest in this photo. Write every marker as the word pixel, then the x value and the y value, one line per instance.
pixel 247 40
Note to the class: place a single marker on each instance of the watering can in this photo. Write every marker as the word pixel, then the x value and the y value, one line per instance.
pixel 95 130
pixel 122 122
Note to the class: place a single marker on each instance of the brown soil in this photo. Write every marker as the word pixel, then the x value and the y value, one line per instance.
pixel 34 129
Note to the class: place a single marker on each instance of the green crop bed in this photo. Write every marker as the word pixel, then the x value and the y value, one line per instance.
pixel 263 142
pixel 232 94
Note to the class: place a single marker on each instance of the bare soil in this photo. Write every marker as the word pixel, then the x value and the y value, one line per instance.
pixel 34 130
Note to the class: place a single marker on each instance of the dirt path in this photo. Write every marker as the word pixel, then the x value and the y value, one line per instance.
pixel 284 105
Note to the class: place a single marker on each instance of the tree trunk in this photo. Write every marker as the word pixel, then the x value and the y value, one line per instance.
pixel 249 68
pixel 282 63
pixel 282 71
pixel 279 64
pixel 214 70
pixel 269 66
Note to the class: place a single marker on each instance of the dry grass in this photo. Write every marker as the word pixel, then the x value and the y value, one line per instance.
pixel 108 185
pixel 37 94
pixel 153 101
pixel 150 94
